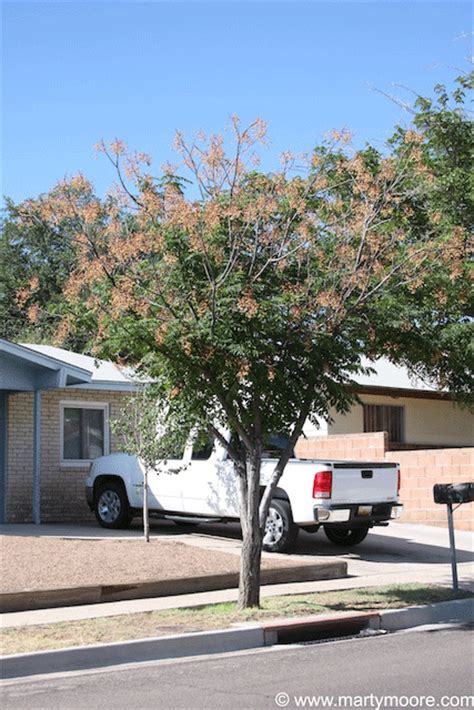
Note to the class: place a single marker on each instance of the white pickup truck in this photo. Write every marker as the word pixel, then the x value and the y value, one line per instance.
pixel 346 498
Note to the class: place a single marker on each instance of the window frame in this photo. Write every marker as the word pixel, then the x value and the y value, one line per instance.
pixel 80 404
pixel 385 406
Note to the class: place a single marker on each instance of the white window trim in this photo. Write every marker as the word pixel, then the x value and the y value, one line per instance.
pixel 80 404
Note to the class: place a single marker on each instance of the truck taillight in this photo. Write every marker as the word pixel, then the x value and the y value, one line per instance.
pixel 399 481
pixel 322 485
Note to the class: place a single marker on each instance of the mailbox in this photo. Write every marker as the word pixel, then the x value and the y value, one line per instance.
pixel 453 493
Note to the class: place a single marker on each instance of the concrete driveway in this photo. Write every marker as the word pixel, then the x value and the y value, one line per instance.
pixel 399 553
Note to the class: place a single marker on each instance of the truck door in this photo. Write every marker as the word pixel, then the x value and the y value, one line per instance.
pixel 206 485
pixel 165 484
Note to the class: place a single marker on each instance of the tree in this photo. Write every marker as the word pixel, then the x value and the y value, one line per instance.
pixel 447 147
pixel 142 428
pixel 253 301
pixel 36 260
pixel 137 427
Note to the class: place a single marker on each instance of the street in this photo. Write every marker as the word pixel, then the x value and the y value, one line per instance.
pixel 434 662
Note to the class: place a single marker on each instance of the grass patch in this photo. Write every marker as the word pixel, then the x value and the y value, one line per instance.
pixel 25 639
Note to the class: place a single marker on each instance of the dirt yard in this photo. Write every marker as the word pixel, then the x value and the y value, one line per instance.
pixel 34 563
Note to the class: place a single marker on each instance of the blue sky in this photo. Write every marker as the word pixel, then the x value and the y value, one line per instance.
pixel 74 73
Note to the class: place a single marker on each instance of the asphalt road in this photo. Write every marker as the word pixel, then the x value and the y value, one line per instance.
pixel 438 663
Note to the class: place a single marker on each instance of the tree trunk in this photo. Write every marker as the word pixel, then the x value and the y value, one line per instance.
pixel 284 458
pixel 251 554
pixel 146 518
pixel 250 558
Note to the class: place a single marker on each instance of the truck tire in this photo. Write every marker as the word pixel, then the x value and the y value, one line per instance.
pixel 280 531
pixel 347 537
pixel 111 506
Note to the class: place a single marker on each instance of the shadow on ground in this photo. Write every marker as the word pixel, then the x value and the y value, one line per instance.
pixel 375 548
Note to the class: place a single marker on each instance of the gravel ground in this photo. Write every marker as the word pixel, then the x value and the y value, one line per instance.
pixel 33 563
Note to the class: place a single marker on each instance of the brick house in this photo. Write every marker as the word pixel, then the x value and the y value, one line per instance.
pixel 55 412
pixel 56 407
pixel 413 412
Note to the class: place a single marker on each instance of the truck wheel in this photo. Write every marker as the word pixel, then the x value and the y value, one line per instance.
pixel 111 506
pixel 280 530
pixel 346 536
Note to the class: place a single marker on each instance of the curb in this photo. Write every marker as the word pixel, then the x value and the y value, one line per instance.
pixel 73 596
pixel 324 626
pixel 459 611
pixel 82 658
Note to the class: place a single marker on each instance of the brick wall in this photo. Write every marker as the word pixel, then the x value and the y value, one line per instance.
pixel 344 446
pixel 62 487
pixel 19 472
pixel 420 470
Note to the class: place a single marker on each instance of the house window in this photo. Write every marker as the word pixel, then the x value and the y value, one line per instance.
pixel 84 431
pixel 380 417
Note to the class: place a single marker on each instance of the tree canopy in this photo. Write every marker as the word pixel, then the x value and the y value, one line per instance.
pixel 37 257
pixel 251 297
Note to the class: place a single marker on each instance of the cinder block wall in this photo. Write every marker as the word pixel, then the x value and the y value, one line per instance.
pixel 344 446
pixel 420 470
pixel 62 487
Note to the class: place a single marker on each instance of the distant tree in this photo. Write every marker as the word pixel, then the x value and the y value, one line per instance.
pixel 445 312
pixel 36 260
pixel 445 123
pixel 13 277
pixel 253 301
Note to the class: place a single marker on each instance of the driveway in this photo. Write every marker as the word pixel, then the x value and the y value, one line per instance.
pixel 399 553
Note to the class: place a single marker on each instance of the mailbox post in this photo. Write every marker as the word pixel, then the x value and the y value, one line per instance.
pixel 450 494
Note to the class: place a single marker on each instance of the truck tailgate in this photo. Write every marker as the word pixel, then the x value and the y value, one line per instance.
pixel 357 482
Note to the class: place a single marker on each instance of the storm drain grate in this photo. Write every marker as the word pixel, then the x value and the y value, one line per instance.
pixel 364 634
pixel 335 638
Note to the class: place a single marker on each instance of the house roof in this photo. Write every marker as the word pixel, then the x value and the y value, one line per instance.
pixel 390 376
pixel 24 369
pixel 103 374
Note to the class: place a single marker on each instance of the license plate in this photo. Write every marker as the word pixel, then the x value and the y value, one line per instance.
pixel 364 510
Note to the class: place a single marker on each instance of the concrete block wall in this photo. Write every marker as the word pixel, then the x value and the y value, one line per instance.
pixel 369 446
pixel 62 487
pixel 420 470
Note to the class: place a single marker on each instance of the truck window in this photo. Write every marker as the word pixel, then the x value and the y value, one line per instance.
pixel 172 445
pixel 274 444
pixel 202 447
